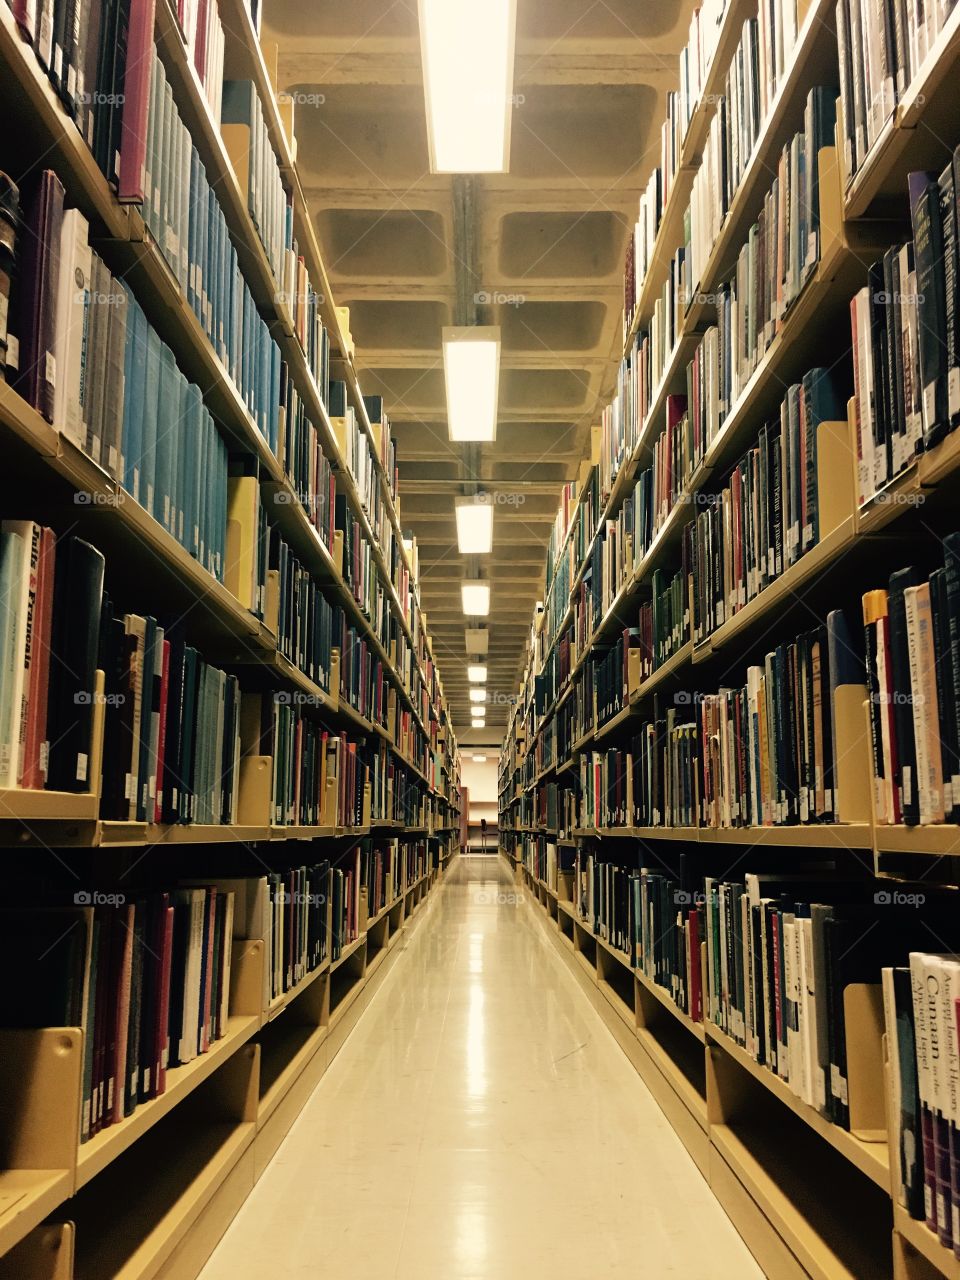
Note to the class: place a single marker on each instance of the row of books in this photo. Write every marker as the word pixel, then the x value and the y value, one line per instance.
pixel 87 358
pixel 883 49
pixel 556 543
pixel 921 1002
pixel 309 627
pixel 183 214
pixel 757 68
pixel 202 29
pixel 783 952
pixel 304 463
pixel 766 516
pixel 257 169
pixel 382 873
pixel 307 308
pixel 147 979
pixel 913 678
pixel 288 910
pixel 761 754
pixel 319 776
pixel 777 258
pixel 905 326
pixel 539 854
pixel 171 747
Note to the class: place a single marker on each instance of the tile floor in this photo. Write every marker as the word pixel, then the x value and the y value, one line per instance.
pixel 481 1123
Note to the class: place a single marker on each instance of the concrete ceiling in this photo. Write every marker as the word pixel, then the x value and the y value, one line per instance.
pixel 538 251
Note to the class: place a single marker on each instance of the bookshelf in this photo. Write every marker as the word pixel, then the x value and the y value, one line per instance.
pixel 151 1193
pixel 810 1196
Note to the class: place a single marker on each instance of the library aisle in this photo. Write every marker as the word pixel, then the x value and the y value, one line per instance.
pixel 481 1122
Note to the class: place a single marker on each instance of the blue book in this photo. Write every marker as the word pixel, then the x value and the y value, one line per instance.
pixel 151 402
pixel 169 408
pixel 134 372
pixel 190 464
pixel 177 456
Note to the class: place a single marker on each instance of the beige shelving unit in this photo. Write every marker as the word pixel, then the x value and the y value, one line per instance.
pixel 150 1196
pixel 809 1198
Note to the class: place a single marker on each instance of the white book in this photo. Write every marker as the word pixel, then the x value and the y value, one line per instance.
pixel 71 325
pixel 23 585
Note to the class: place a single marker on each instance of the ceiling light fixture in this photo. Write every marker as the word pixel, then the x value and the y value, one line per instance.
pixel 479 759
pixel 475 526
pixel 471 370
pixel 478 695
pixel 468 55
pixel 477 675
pixel 478 724
pixel 476 598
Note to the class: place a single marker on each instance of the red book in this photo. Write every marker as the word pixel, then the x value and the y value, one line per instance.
pixel 163 1003
pixel 35 645
pixel 162 732
pixel 136 100
pixel 121 1013
pixel 200 42
pixel 25 13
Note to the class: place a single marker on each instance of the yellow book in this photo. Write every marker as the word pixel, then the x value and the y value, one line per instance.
pixel 240 576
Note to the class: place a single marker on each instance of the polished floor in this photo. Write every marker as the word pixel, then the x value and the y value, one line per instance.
pixel 481 1123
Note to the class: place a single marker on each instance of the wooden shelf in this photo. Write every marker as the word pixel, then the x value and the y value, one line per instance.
pixel 810 1213
pixel 919 1236
pixel 128 1228
pixel 286 998
pixel 295 1046
pixel 871 1158
pixel 108 1144
pixel 27 1196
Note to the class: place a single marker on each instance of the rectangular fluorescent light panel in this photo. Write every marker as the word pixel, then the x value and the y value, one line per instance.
pixel 468 53
pixel 476 675
pixel 476 599
pixel 478 724
pixel 474 527
pixel 478 695
pixel 479 759
pixel 471 370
